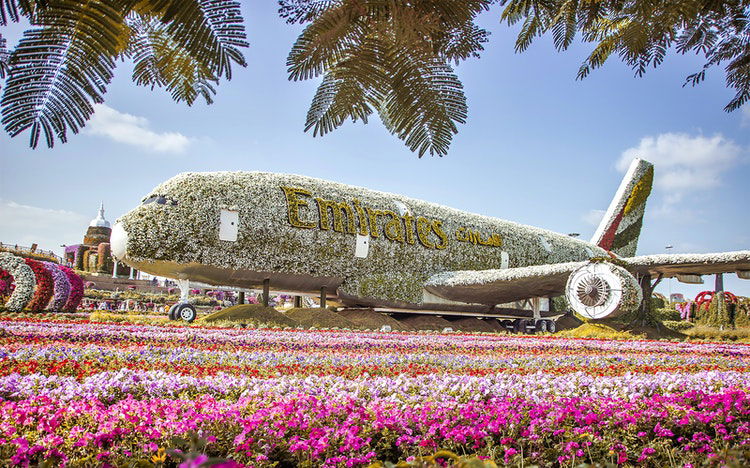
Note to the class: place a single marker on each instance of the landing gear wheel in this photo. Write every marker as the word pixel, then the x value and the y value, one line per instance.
pixel 519 325
pixel 188 313
pixel 551 326
pixel 174 311
pixel 540 326
pixel 507 324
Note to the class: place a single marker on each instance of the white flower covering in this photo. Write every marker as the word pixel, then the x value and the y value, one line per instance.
pixel 24 278
pixel 184 238
pixel 699 264
pixel 739 256
pixel 470 278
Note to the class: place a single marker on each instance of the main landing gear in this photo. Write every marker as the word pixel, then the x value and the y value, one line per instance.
pixel 183 311
pixel 529 326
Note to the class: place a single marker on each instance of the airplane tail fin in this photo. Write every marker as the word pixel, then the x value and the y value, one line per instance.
pixel 620 228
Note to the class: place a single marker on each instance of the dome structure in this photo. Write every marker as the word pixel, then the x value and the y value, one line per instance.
pixel 100 221
pixel 99 229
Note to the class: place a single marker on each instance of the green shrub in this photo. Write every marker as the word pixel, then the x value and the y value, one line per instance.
pixel 658 303
pixel 678 325
pixel 559 304
pixel 666 314
pixel 703 332
pixel 742 313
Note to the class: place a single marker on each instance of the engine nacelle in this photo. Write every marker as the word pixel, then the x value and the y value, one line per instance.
pixel 600 290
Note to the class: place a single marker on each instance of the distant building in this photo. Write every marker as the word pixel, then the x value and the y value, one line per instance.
pixel 676 297
pixel 94 254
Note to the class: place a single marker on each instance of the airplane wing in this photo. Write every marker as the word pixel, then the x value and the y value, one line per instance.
pixel 513 284
pixel 670 265
pixel 501 286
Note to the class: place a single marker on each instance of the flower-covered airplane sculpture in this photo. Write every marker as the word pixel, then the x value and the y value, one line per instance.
pixel 382 250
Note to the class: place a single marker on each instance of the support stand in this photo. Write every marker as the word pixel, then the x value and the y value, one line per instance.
pixel 266 291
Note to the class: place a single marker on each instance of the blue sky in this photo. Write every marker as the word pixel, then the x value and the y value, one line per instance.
pixel 539 147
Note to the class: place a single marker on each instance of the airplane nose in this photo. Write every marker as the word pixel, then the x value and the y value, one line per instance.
pixel 118 241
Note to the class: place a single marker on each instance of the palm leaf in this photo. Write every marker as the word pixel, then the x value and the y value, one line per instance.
pixel 58 70
pixel 391 57
pixel 4 58
pixel 303 11
pixel 424 103
pixel 13 10
pixel 211 31
pixel 160 62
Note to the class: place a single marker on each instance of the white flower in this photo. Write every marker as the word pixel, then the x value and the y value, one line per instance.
pixel 24 278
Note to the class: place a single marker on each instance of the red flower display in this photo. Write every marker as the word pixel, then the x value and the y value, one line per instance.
pixel 76 290
pixel 45 286
pixel 6 283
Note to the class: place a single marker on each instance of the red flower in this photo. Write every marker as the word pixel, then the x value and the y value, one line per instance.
pixel 44 286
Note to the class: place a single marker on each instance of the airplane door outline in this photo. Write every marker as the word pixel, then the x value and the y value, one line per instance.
pixel 229 222
pixel 362 247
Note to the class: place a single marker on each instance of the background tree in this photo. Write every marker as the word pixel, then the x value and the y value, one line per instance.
pixel 63 64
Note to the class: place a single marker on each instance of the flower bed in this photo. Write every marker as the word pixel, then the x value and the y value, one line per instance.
pixel 81 393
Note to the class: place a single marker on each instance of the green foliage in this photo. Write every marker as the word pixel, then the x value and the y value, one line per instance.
pixel 665 314
pixel 440 458
pixel 704 332
pixel 641 32
pixel 742 313
pixel 678 325
pixel 63 64
pixel 559 304
pixel 658 303
pixel 719 313
pixel 392 58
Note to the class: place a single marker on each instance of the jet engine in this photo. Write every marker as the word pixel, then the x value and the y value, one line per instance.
pixel 600 290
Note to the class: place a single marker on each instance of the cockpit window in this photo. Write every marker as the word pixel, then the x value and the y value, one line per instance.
pixel 160 200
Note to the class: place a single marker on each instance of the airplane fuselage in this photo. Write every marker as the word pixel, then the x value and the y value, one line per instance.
pixel 371 248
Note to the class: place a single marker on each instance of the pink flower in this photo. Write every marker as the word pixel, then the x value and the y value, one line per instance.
pixel 195 462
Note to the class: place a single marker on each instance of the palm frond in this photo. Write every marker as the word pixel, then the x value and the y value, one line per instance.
pixel 4 58
pixel 160 62
pixel 211 31
pixel 58 70
pixel 389 56
pixel 325 42
pixel 304 11
pixel 13 10
pixel 424 103
pixel 335 101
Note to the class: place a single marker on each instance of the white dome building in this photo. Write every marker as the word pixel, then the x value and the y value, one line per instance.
pixel 100 221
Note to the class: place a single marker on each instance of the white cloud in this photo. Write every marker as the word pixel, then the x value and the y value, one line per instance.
pixel 684 163
pixel 593 217
pixel 26 225
pixel 134 130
